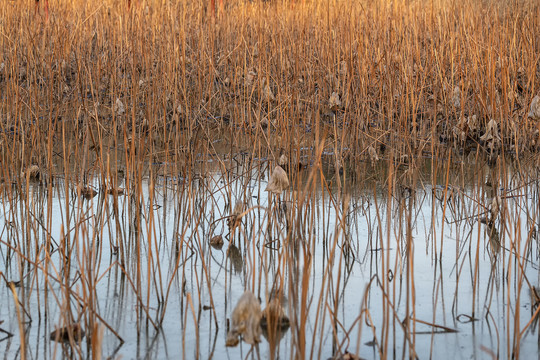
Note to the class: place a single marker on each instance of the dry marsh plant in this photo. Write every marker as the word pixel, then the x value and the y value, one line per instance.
pixel 364 171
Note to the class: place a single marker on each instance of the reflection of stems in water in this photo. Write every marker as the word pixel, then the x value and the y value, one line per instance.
pixel 139 299
pixel 444 329
pixel 8 334
pixel 19 321
pixel 396 317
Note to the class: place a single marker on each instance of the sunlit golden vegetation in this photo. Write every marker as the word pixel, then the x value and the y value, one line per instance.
pixel 117 106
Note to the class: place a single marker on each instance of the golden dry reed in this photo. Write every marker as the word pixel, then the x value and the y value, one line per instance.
pixel 112 109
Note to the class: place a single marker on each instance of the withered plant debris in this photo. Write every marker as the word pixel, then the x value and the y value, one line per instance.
pixel 235 219
pixel 456 97
pixel 274 317
pixel 282 160
pixel 119 108
pixel 534 109
pixel 32 173
pixel 245 321
pixel 495 208
pixel 373 157
pixel 268 95
pixel 491 136
pixel 216 242
pixel 114 191
pixel 279 181
pixel 62 334
pixel 334 102
pixel 87 192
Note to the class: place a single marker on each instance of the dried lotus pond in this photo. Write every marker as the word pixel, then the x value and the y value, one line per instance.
pixel 285 179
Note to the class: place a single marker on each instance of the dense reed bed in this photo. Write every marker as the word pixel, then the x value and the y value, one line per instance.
pixel 137 144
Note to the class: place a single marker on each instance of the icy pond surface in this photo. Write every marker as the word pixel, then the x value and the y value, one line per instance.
pixel 442 266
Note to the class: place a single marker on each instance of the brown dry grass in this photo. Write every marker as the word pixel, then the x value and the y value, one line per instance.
pixel 100 91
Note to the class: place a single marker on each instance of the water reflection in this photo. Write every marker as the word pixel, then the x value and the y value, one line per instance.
pixel 422 244
pixel 235 258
